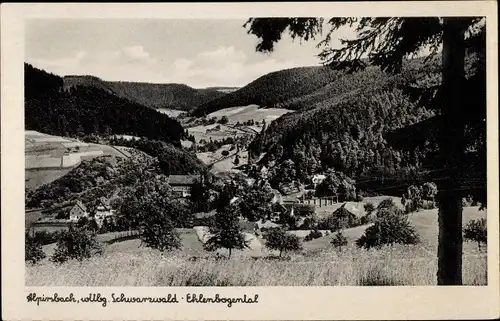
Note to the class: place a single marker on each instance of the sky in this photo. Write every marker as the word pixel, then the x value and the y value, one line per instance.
pixel 199 53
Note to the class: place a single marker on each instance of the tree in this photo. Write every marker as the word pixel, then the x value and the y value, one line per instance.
pixel 387 41
pixel 33 251
pixel 157 229
pixel 236 161
pixel 76 243
pixel 278 239
pixel 256 203
pixel 390 227
pixel 225 153
pixel 475 231
pixel 429 191
pixel 199 197
pixel 339 240
pixel 226 232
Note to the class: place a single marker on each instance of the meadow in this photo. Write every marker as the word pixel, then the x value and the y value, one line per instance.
pixel 127 263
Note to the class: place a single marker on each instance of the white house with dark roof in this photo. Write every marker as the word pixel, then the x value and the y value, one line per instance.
pixel 78 211
pixel 103 211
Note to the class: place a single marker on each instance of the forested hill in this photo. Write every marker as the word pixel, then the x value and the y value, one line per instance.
pixel 173 96
pixel 84 110
pixel 274 88
pixel 344 123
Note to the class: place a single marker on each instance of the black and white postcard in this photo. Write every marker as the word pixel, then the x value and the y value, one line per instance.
pixel 264 161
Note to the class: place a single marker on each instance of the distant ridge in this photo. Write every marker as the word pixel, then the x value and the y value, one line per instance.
pixel 273 88
pixel 172 96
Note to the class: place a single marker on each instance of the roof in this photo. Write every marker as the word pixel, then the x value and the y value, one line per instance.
pixel 80 205
pixel 105 202
pixel 182 179
pixel 343 212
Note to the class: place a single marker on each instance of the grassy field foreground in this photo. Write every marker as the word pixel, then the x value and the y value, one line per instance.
pixel 127 263
pixel 314 267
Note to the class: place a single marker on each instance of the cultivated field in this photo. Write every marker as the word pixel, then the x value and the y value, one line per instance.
pixel 210 132
pixel 49 157
pixel 245 113
pixel 128 264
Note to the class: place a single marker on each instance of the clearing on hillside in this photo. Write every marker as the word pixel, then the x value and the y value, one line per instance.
pixel 49 157
pixel 251 112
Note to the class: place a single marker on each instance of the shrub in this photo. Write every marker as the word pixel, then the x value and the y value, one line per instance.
pixel 315 234
pixel 33 251
pixel 225 153
pixel 390 227
pixel 339 240
pixel 309 223
pixel 223 120
pixel 369 208
pixel 476 231
pixel 386 203
pixel 44 237
pixel 278 239
pixel 76 243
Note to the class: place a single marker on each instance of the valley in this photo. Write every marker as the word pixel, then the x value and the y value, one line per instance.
pixel 284 181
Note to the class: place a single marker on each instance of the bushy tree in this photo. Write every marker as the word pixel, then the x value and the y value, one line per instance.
pixel 476 231
pixel 33 251
pixel 199 197
pixel 76 243
pixel 226 231
pixel 225 153
pixel 413 199
pixel 337 184
pixel 391 226
pixel 157 229
pixel 278 239
pixel 339 240
pixel 256 203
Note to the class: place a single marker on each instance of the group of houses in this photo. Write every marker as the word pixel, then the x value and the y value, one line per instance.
pixel 103 211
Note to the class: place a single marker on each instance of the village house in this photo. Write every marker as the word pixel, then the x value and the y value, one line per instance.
pixel 77 212
pixel 344 217
pixel 103 211
pixel 182 184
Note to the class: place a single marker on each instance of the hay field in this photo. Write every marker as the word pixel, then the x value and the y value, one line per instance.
pixel 324 268
pixel 128 264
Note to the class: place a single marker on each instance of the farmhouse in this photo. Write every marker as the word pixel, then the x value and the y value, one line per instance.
pixel 345 217
pixel 78 211
pixel 103 211
pixel 182 184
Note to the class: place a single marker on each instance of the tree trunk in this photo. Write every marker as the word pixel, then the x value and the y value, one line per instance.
pixel 229 253
pixel 452 148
